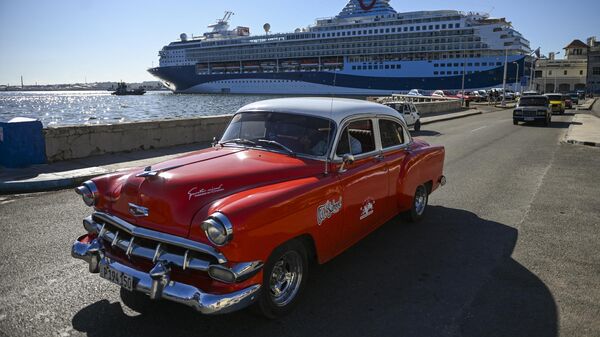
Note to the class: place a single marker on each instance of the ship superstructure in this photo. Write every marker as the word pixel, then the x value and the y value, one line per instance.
pixel 368 48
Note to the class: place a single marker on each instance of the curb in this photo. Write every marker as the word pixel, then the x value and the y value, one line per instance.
pixel 448 118
pixel 577 142
pixel 44 185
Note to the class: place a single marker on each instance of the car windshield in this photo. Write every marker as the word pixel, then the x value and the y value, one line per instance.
pixel 554 97
pixel 533 101
pixel 293 133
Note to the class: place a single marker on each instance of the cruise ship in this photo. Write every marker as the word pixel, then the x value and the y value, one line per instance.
pixel 367 49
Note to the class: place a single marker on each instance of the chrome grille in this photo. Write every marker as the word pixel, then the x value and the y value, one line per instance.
pixel 151 245
pixel 529 113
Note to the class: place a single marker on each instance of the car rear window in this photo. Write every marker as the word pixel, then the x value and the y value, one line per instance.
pixel 554 97
pixel 533 101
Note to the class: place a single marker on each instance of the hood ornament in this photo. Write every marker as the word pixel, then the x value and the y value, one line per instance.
pixel 138 211
pixel 148 173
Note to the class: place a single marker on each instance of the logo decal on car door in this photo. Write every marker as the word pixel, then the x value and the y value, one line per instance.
pixel 328 209
pixel 367 208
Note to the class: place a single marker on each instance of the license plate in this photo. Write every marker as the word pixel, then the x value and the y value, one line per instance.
pixel 529 119
pixel 117 277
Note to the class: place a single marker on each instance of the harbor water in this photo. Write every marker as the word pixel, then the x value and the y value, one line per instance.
pixel 56 108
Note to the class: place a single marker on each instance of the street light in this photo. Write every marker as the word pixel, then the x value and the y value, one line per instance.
pixel 555 54
pixel 516 76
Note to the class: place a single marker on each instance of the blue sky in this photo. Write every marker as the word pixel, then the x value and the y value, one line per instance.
pixel 67 41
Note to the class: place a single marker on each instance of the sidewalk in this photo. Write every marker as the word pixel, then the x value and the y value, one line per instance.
pixel 71 173
pixel 584 130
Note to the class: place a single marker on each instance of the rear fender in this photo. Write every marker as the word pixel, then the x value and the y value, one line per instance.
pixel 423 164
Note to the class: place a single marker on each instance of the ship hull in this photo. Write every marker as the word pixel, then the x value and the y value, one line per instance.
pixel 184 79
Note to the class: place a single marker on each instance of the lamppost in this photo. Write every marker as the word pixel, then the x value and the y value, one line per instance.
pixel 504 79
pixel 462 92
pixel 516 76
pixel 555 54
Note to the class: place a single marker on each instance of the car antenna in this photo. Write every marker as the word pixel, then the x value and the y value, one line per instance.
pixel 331 117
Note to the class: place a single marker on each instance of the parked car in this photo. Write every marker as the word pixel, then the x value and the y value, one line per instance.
pixel 531 93
pixel 568 102
pixel 533 108
pixel 484 95
pixel 409 112
pixel 557 103
pixel 581 94
pixel 416 92
pixel 574 97
pixel 290 182
pixel 438 93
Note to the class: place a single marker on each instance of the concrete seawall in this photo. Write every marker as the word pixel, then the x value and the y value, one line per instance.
pixel 426 108
pixel 72 142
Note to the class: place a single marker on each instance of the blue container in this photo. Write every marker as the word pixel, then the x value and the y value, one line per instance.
pixel 22 143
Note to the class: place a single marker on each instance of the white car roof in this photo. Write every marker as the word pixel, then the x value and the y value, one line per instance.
pixel 336 109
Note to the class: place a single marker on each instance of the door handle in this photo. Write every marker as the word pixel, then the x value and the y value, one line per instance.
pixel 379 157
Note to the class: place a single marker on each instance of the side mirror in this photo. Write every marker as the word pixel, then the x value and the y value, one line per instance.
pixel 347 159
pixel 214 142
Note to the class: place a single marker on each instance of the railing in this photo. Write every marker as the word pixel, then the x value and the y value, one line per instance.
pixel 410 98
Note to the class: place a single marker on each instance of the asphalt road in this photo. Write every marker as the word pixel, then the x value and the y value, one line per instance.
pixel 508 248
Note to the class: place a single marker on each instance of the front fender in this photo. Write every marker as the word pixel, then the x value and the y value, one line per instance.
pixel 265 217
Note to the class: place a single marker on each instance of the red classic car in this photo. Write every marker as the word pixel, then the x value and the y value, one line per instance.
pixel 290 182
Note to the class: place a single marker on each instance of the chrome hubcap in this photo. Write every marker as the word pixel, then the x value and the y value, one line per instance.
pixel 286 278
pixel 420 200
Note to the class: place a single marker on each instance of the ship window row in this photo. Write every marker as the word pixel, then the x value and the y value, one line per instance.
pixel 377 67
pixel 332 51
pixel 272 40
pixel 388 30
pixel 405 31
pixel 455 72
pixel 469 64
pixel 390 23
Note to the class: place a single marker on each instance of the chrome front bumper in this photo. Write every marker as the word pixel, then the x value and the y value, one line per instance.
pixel 158 285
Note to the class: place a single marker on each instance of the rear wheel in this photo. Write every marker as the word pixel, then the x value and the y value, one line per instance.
pixel 284 278
pixel 419 205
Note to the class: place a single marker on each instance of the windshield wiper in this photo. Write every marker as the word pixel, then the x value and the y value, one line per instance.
pixel 278 144
pixel 241 141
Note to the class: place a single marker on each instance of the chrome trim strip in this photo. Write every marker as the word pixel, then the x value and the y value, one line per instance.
pixel 191 296
pixel 159 236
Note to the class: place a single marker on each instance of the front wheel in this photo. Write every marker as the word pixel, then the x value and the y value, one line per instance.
pixel 417 126
pixel 419 204
pixel 284 278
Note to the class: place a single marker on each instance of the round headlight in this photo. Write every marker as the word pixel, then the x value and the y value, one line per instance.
pixel 88 192
pixel 218 229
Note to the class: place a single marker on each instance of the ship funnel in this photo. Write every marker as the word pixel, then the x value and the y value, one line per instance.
pixel 183 37
pixel 267 27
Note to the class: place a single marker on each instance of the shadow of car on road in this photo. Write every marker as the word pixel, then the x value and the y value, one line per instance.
pixel 421 133
pixel 553 125
pixel 450 275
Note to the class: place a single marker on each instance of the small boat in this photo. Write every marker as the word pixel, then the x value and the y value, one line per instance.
pixel 123 91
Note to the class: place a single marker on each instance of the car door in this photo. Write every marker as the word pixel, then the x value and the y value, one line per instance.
pixel 407 114
pixel 364 182
pixel 394 143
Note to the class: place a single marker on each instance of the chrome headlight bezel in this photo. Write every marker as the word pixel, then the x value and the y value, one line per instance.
pixel 88 192
pixel 218 229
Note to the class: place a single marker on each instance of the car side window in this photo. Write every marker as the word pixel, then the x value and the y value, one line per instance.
pixel 391 132
pixel 406 109
pixel 357 138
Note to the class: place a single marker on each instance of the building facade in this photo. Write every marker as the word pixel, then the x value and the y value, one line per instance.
pixel 563 75
pixel 593 78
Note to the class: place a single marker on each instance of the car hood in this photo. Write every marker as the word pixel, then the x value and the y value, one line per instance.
pixel 174 191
